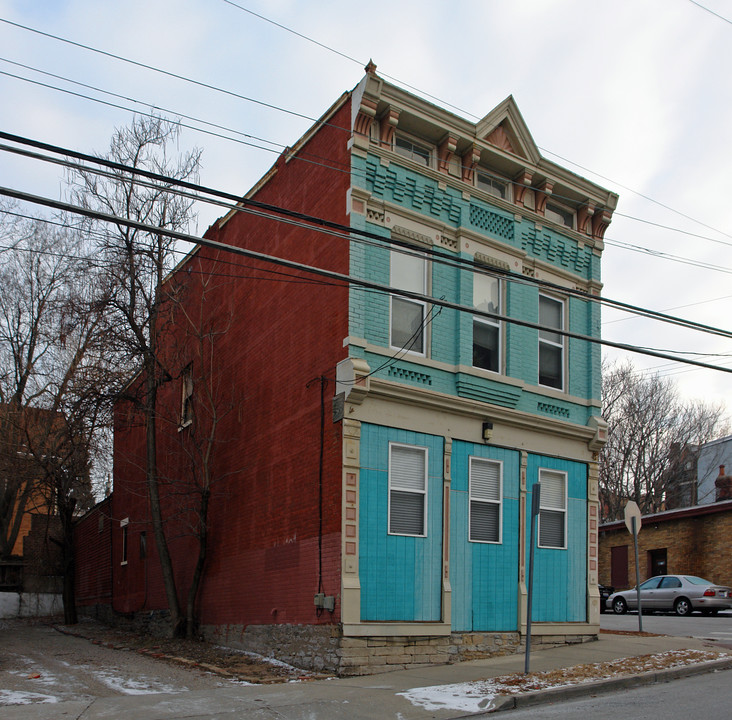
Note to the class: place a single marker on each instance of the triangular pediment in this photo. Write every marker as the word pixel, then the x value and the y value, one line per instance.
pixel 504 127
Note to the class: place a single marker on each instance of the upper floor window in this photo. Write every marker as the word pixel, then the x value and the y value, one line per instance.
pixel 559 214
pixel 186 404
pixel 485 500
pixel 412 150
pixel 551 344
pixel 407 490
pixel 408 272
pixel 553 509
pixel 492 185
pixel 486 332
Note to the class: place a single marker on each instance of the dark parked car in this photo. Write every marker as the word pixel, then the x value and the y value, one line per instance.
pixel 681 593
pixel 605 592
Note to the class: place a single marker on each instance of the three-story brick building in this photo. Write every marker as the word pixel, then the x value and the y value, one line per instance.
pixel 376 471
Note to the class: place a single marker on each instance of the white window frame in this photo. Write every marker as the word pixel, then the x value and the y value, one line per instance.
pixel 419 303
pixel 492 184
pixel 410 153
pixel 186 399
pixel 124 525
pixel 548 342
pixel 545 505
pixel 490 323
pixel 471 499
pixel 397 488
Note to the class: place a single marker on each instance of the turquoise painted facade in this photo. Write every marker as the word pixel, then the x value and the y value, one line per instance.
pixel 453 572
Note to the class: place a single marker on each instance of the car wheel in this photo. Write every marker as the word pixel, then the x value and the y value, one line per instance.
pixel 682 606
pixel 619 606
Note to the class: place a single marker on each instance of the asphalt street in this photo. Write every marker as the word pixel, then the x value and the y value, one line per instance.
pixel 717 628
pixel 708 696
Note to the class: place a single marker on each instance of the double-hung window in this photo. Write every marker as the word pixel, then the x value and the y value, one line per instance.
pixel 491 185
pixel 407 490
pixel 559 214
pixel 551 344
pixel 553 509
pixel 414 151
pixel 487 332
pixel 408 272
pixel 485 495
pixel 186 403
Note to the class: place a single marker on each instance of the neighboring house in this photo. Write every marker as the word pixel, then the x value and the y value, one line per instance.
pixel 20 495
pixel 377 466
pixel 687 541
pixel 711 456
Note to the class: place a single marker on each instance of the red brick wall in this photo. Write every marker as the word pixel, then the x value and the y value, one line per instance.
pixel 92 537
pixel 694 546
pixel 276 333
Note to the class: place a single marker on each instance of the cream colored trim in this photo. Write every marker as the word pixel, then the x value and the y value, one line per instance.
pixel 475 372
pixel 395 629
pixel 350 579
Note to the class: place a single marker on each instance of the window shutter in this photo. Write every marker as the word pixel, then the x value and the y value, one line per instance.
pixel 485 500
pixel 551 528
pixel 552 515
pixel 552 490
pixel 407 490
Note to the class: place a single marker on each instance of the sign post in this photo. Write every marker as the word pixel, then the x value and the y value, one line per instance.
pixel 633 523
pixel 535 505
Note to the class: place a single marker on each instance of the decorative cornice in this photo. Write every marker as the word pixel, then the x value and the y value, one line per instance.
pixel 543 191
pixel 522 181
pixel 389 121
pixel 445 151
pixel 470 159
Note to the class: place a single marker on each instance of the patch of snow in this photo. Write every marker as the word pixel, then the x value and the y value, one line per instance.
pixel 18 697
pixel 479 695
pixel 135 686
pixel 256 656
pixel 469 697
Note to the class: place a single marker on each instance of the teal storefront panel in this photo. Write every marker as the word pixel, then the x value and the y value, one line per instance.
pixel 400 575
pixel 560 575
pixel 484 576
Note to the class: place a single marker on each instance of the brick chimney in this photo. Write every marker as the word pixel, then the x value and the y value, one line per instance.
pixel 723 484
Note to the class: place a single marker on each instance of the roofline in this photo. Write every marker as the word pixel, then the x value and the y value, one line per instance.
pixel 667 515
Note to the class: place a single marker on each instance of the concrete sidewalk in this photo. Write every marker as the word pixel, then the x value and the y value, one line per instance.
pixel 376 696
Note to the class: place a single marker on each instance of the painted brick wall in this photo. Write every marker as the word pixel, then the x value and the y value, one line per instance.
pixel 277 332
pixel 92 542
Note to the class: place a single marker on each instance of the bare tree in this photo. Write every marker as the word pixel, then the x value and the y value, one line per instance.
pixel 653 441
pixel 201 320
pixel 137 263
pixel 55 370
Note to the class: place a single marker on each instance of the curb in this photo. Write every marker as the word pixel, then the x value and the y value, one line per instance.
pixel 541 697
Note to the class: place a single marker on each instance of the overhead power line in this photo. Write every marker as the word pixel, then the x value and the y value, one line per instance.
pixel 231 93
pixel 332 275
pixel 249 205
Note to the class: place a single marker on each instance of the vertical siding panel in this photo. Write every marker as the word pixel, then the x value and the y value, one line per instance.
pixel 400 576
pixel 560 575
pixel 484 576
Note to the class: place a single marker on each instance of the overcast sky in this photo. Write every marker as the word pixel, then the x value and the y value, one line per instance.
pixel 633 94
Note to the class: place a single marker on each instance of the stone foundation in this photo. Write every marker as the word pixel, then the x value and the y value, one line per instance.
pixel 311 647
pixel 322 648
pixel 365 656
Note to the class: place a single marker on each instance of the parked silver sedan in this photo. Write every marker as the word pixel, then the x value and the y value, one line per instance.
pixel 681 593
